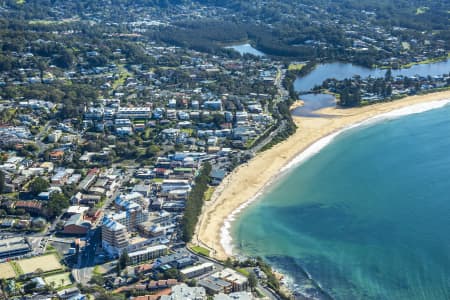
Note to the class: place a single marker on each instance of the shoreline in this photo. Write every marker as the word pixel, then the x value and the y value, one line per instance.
pixel 249 181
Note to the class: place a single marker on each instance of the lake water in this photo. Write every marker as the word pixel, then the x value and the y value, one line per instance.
pixel 342 71
pixel 345 70
pixel 246 49
pixel 368 217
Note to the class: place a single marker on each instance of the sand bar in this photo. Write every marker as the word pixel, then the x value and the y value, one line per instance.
pixel 249 179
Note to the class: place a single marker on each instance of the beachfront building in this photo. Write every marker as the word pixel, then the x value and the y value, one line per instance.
pixel 215 285
pixel 237 280
pixel 198 270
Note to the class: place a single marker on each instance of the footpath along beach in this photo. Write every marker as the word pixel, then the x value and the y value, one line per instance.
pixel 248 181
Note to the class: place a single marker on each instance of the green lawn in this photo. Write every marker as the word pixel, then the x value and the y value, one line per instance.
pixel 208 194
pixel 60 280
pixel 295 67
pixel 244 272
pixel 16 268
pixel 259 293
pixel 406 45
pixel 422 10
pixel 50 249
pixel 188 131
pixel 123 75
pixel 200 250
pixel 100 204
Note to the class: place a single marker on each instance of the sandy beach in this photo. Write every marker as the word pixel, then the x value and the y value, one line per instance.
pixel 249 179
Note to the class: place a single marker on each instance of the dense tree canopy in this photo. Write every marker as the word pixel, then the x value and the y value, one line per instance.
pixel 39 185
pixel 195 202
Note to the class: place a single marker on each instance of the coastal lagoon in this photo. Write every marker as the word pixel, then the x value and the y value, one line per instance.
pixel 313 102
pixel 367 217
pixel 340 71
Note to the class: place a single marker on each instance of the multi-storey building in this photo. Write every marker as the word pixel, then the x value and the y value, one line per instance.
pixel 147 254
pixel 114 236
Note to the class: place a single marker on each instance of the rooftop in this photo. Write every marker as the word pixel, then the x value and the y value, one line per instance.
pixel 183 292
pixel 230 275
pixel 148 250
pixel 13 244
pixel 76 209
pixel 112 225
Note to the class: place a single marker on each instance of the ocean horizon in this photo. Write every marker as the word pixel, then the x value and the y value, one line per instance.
pixel 307 191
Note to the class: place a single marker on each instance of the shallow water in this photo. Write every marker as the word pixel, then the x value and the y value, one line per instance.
pixel 313 102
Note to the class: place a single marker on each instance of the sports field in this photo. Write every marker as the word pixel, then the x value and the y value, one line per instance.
pixel 60 280
pixel 6 271
pixel 45 263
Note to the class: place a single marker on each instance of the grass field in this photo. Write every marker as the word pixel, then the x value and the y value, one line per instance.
pixel 422 10
pixel 46 263
pixel 200 250
pixel 123 75
pixel 406 45
pixel 60 280
pixel 295 67
pixel 6 271
pixel 244 272
pixel 208 194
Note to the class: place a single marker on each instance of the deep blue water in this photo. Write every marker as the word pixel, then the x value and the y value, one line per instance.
pixel 368 217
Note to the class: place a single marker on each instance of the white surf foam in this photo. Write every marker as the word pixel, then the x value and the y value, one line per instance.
pixel 226 239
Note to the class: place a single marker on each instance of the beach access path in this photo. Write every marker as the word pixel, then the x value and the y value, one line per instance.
pixel 250 179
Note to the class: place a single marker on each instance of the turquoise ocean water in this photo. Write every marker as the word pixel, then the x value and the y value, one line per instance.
pixel 368 217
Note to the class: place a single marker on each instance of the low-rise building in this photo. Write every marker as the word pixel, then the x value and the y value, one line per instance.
pixel 238 281
pixel 54 136
pixel 147 254
pixel 183 292
pixel 14 246
pixel 76 225
pixel 162 284
pixel 87 182
pixel 234 296
pixel 134 113
pixel 34 207
pixel 198 270
pixel 216 285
